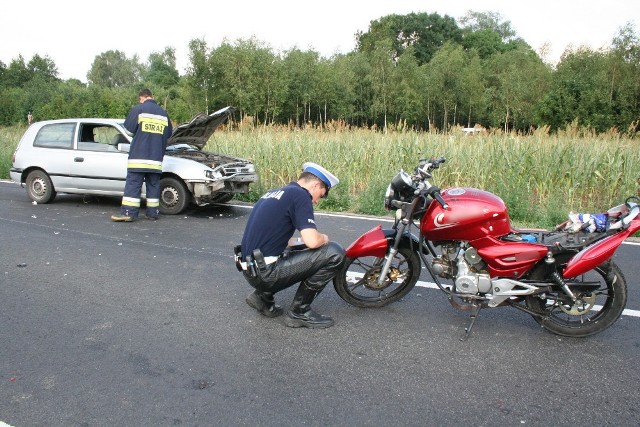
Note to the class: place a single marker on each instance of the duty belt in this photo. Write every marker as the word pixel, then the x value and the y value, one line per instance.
pixel 267 260
pixel 252 263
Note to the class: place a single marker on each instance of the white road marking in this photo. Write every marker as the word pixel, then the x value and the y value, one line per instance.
pixel 432 285
pixel 626 312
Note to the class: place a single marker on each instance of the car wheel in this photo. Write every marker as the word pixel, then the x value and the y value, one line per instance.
pixel 174 196
pixel 39 187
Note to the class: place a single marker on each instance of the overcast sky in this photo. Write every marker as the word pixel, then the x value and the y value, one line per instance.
pixel 73 33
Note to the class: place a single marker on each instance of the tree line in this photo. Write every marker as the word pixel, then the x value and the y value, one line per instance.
pixel 421 71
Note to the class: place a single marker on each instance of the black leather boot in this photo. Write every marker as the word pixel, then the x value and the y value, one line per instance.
pixel 301 315
pixel 264 303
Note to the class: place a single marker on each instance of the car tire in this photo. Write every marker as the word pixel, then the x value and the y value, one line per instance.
pixel 174 196
pixel 39 187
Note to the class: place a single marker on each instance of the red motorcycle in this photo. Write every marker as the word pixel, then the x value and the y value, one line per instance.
pixel 564 278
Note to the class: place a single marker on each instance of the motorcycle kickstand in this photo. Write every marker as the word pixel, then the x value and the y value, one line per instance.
pixel 475 309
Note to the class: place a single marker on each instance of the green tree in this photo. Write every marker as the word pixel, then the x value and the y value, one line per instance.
pixel 198 77
pixel 43 68
pixel 301 79
pixel 580 90
pixel 12 105
pixel 445 78
pixel 381 76
pixel 162 71
pixel 516 82
pixel 472 90
pixel 70 99
pixel 474 21
pixel 427 33
pixel 17 73
pixel 624 77
pixel 113 69
pixel 488 34
pixel 3 74
pixel 360 66
pixel 408 90
pixel 340 79
pixel 246 77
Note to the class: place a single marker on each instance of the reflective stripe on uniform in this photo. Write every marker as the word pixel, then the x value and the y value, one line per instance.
pixel 152 123
pixel 131 201
pixel 144 164
pixel 153 203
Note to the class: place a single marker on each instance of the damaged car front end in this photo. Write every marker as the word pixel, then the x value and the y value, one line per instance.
pixel 226 175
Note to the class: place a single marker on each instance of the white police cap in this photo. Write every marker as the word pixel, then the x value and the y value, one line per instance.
pixel 325 176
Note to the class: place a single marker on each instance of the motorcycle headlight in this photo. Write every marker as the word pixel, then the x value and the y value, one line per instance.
pixel 401 189
pixel 388 198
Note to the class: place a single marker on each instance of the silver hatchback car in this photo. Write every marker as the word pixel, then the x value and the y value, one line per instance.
pixel 89 156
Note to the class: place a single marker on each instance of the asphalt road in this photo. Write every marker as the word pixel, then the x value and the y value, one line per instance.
pixel 145 324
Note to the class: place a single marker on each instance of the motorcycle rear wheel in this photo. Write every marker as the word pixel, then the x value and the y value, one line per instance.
pixel 594 311
pixel 357 282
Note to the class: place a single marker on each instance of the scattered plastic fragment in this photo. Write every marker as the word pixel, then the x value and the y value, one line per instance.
pixel 13 379
pixel 34 203
pixel 33 216
pixel 22 264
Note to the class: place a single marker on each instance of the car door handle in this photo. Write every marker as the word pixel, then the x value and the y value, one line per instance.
pixel 78 159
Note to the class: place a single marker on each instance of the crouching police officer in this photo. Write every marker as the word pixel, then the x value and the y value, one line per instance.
pixel 272 260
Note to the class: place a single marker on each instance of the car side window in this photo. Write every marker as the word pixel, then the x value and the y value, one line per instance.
pixel 97 137
pixel 56 135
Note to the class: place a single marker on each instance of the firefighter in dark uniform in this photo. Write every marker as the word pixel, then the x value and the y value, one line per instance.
pixel 271 259
pixel 151 128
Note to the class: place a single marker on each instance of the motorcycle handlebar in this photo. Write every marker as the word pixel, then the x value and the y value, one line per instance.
pixel 423 174
pixel 440 200
pixel 434 192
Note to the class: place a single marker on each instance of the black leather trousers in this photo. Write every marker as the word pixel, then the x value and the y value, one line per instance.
pixel 315 266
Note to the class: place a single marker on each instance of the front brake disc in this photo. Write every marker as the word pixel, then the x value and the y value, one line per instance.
pixel 371 278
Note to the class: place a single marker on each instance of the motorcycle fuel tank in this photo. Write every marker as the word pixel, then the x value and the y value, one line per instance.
pixel 472 214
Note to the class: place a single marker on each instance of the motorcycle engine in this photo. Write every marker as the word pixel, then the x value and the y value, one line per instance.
pixel 465 267
pixel 444 265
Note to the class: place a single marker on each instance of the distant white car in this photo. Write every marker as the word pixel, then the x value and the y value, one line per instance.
pixel 89 156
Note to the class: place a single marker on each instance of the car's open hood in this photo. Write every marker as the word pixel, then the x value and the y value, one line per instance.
pixel 198 131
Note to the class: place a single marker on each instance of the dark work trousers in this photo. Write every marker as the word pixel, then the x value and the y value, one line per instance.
pixel 133 189
pixel 315 266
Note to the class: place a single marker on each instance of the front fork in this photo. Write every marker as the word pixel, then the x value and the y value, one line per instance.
pixel 392 252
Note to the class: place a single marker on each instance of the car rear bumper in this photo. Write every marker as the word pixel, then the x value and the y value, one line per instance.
pixel 16 176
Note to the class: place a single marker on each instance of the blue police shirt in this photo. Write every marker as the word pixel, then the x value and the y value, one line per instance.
pixel 275 217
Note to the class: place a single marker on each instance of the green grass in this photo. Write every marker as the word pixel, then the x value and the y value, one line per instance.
pixel 9 138
pixel 540 177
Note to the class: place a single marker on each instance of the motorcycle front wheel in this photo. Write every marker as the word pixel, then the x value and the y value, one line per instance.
pixel 601 297
pixel 357 282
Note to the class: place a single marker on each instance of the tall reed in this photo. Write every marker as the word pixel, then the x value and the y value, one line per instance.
pixel 540 177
